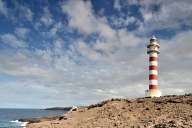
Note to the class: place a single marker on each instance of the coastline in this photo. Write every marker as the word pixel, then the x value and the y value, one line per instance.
pixel 21 123
pixel 166 111
pixel 11 117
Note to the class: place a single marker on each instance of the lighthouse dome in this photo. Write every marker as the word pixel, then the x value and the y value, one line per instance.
pixel 153 45
pixel 153 39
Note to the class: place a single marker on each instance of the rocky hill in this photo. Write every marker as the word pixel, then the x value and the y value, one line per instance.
pixel 162 112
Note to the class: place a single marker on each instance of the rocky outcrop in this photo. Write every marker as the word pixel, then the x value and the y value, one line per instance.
pixel 162 112
pixel 37 120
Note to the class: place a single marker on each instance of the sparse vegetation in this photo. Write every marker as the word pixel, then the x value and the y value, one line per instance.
pixel 163 112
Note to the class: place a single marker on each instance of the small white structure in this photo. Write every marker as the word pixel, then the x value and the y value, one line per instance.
pixel 74 108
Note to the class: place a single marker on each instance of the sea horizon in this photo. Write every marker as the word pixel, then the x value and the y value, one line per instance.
pixel 9 117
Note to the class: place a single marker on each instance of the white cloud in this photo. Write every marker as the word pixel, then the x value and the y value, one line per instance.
pixel 128 39
pixel 113 65
pixel 57 27
pixel 175 62
pixel 46 18
pixel 29 14
pixel 3 8
pixel 23 94
pixel 22 32
pixel 110 40
pixel 80 15
pixel 87 51
pixel 19 13
pixel 117 5
pixel 82 18
pixel 123 22
pixel 26 13
pixel 12 40
pixel 117 74
pixel 58 46
pixel 181 45
pixel 172 14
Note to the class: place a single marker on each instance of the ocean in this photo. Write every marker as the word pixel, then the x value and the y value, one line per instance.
pixel 9 117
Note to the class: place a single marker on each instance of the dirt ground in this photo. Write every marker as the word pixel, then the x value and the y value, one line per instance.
pixel 162 112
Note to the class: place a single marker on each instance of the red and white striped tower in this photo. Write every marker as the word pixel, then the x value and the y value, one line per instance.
pixel 153 51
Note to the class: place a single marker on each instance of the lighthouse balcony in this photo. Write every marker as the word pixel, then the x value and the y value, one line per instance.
pixel 153 50
pixel 154 44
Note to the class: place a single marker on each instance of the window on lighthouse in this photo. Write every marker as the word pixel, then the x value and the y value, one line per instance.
pixel 153 48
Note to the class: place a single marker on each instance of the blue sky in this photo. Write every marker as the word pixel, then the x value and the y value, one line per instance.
pixel 73 52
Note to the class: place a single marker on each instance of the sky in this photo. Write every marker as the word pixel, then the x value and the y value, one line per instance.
pixel 80 52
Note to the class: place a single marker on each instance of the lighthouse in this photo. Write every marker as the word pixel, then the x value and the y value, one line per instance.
pixel 153 51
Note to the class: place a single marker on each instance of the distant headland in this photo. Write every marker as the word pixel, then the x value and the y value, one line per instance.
pixel 59 108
